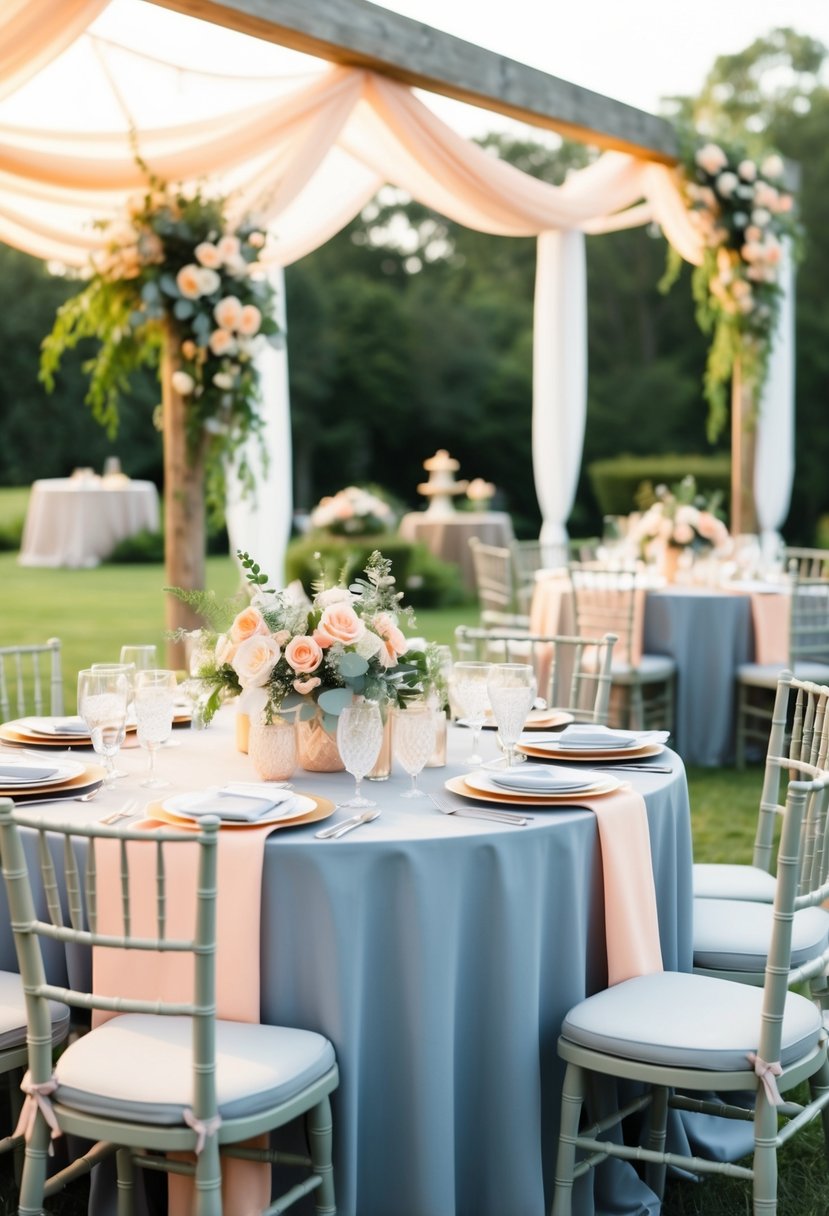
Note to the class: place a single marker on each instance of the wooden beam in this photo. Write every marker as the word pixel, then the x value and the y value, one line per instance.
pixel 359 34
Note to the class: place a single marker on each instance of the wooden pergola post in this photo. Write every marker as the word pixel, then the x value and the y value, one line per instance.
pixel 743 453
pixel 185 528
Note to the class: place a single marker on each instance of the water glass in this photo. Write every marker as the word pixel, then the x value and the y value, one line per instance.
pixel 155 698
pixel 414 741
pixel 103 697
pixel 512 689
pixel 359 739
pixel 142 657
pixel 468 689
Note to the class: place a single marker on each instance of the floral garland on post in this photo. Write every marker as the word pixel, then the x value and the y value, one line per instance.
pixel 743 213
pixel 175 267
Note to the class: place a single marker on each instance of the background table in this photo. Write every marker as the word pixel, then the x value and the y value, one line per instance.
pixel 79 521
pixel 448 536
pixel 439 955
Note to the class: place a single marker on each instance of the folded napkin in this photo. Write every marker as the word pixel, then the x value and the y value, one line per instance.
pixel 60 726
pixel 25 772
pixel 542 779
pixel 586 735
pixel 234 806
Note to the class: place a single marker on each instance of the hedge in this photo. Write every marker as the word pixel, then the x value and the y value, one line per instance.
pixel 616 481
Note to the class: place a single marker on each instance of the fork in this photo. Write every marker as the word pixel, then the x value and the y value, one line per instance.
pixel 498 816
pixel 127 811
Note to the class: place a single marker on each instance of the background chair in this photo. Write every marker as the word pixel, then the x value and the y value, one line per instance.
pixel 31 680
pixel 609 599
pixel 680 1034
pixel 573 673
pixel 807 657
pixel 530 556
pixel 811 563
pixel 162 1076
pixel 497 587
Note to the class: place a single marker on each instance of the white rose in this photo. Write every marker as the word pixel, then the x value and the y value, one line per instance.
pixel 772 166
pixel 747 170
pixel 711 158
pixel 369 645
pixel 334 595
pixel 726 184
pixel 760 216
pixel 183 383
pixel 255 659
pixel 223 381
pixel 209 281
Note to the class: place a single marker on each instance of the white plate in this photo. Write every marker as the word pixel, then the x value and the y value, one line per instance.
pixel 62 770
pixel 179 804
pixel 542 779
pixel 56 726
pixel 600 783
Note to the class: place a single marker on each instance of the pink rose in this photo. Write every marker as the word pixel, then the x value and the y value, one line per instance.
pixel 250 320
pixel 339 623
pixel 394 640
pixel 221 342
pixel 306 685
pixel 229 248
pixel 247 624
pixel 255 659
pixel 303 654
pixel 188 281
pixel 227 312
pixel 208 255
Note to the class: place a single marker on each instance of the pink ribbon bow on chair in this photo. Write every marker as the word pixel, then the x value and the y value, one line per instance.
pixel 37 1097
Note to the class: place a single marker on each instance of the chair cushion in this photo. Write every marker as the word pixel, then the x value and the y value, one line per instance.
pixel 766 675
pixel 734 935
pixel 722 881
pixel 13 1014
pixel 139 1066
pixel 687 1021
pixel 650 667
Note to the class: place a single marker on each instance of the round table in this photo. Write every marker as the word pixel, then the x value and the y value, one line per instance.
pixel 77 522
pixel 447 536
pixel 439 955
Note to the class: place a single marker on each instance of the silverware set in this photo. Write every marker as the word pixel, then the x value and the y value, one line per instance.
pixel 348 825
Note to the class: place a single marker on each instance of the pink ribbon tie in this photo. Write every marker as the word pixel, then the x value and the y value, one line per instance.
pixel 767 1073
pixel 202 1127
pixel 37 1098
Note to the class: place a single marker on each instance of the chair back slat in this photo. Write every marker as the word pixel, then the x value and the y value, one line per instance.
pixel 91 887
pixel 74 895
pixel 27 674
pixel 126 901
pixel 161 893
pixel 496 585
pixel 49 879
pixel 610 600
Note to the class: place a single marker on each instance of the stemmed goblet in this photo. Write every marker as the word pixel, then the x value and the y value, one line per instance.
pixel 155 698
pixel 512 689
pixel 469 693
pixel 359 739
pixel 143 658
pixel 414 741
pixel 103 697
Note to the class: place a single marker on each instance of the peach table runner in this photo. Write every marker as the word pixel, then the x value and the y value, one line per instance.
pixel 631 922
pixel 245 1185
pixel 770 616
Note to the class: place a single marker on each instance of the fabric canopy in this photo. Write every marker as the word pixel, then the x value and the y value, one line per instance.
pixel 305 150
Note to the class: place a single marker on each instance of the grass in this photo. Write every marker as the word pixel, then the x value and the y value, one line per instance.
pixel 95 611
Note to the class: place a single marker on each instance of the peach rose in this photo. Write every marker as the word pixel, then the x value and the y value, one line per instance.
pixel 303 654
pixel 339 623
pixel 208 255
pixel 227 312
pixel 250 320
pixel 306 685
pixel 188 281
pixel 248 624
pixel 229 248
pixel 393 638
pixel 255 659
pixel 225 650
pixel 221 342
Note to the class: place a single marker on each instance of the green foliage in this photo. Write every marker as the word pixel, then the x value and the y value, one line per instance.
pixel 616 482
pixel 11 534
pixel 424 579
pixel 144 547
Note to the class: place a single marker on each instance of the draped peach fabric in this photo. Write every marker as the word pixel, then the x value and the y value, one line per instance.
pixel 33 32
pixel 245 1185
pixel 770 617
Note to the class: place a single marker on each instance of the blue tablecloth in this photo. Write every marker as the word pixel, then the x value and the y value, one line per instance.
pixel 440 955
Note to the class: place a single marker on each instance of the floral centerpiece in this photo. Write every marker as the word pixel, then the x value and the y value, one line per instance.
pixel 679 518
pixel 353 512
pixel 284 653
pixel 743 213
pixel 173 269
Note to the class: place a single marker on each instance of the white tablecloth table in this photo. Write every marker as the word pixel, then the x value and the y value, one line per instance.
pixel 77 522
pixel 439 955
pixel 447 536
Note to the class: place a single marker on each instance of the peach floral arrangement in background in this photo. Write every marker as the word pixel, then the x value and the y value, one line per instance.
pixel 285 652
pixel 354 511
pixel 681 518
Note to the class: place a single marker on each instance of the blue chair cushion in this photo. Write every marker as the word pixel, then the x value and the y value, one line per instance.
pixel 734 935
pixel 13 1014
pixel 721 881
pixel 679 1020
pixel 139 1066
pixel 650 667
pixel 766 675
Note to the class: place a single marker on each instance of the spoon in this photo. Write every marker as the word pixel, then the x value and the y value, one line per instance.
pixel 348 825
pixel 38 801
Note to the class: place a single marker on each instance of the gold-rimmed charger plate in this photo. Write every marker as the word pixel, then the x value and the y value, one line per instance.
pixel 90 779
pixel 588 756
pixel 458 785
pixel 15 732
pixel 323 809
pixel 538 719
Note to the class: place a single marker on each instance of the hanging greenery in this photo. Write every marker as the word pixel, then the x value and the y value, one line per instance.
pixel 172 266
pixel 743 214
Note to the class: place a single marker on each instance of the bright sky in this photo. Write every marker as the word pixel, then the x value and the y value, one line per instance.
pixel 634 50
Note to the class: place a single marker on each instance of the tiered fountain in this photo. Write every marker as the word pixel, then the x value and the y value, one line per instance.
pixel 441 487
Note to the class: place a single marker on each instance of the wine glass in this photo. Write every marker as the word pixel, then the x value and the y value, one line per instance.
pixel 155 698
pixel 128 670
pixel 143 657
pixel 469 692
pixel 103 697
pixel 512 689
pixel 359 738
pixel 414 741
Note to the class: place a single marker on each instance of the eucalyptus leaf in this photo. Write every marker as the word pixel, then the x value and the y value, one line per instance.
pixel 329 722
pixel 183 309
pixel 357 684
pixel 351 665
pixel 334 700
pixel 169 286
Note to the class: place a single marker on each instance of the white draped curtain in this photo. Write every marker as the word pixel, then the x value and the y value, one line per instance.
pixel 307 155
